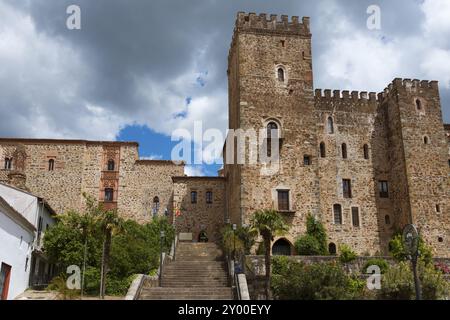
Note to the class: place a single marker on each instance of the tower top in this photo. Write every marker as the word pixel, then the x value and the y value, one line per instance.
pixel 251 22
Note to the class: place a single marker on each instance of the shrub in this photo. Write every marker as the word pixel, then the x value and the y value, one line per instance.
pixel 346 254
pixel 398 251
pixel 442 268
pixel 398 283
pixel 322 281
pixel 308 246
pixel 280 264
pixel 316 229
pixel 383 264
pixel 59 285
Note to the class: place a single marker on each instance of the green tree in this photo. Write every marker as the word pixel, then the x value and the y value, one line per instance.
pixel 268 224
pixel 110 223
pixel 398 251
pixel 314 242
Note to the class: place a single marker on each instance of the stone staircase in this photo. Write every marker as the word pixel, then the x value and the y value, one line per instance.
pixel 198 273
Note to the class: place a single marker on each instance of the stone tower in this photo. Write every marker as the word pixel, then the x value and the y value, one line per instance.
pixel 271 82
pixel 418 150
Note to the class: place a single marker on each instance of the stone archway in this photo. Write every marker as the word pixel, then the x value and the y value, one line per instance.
pixel 282 247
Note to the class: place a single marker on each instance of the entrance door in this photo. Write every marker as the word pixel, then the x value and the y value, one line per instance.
pixel 281 248
pixel 5 275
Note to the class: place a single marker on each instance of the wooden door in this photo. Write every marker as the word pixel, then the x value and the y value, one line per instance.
pixel 5 275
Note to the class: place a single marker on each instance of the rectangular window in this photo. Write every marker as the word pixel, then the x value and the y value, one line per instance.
pixel 283 200
pixel 209 197
pixel 347 188
pixel 337 211
pixel 307 160
pixel 109 195
pixel 193 196
pixel 355 217
pixel 384 189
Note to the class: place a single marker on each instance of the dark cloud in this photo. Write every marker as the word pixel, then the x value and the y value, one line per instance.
pixel 138 60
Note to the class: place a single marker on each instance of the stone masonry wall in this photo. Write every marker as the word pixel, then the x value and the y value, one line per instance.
pixel 195 217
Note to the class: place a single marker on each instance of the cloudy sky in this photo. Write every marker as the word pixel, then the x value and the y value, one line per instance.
pixel 139 69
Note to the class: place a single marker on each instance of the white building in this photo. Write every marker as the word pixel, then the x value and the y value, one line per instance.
pixel 23 221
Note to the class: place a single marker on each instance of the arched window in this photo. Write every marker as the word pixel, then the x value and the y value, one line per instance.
pixel 387 220
pixel 330 125
pixel 281 74
pixel 323 152
pixel 51 165
pixel 8 163
pixel 155 205
pixel 272 133
pixel 426 140
pixel 344 151
pixel 111 165
pixel 419 105
pixel 337 211
pixel 109 195
pixel 332 249
pixel 281 248
pixel 366 151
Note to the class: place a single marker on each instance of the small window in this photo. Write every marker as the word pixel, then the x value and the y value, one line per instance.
pixel 194 197
pixel 272 133
pixel 283 200
pixel 307 160
pixel 337 212
pixel 347 188
pixel 155 205
pixel 426 140
pixel 330 125
pixel 281 74
pixel 438 208
pixel 419 105
pixel 344 151
pixel 384 189
pixel 51 165
pixel 387 220
pixel 355 217
pixel 8 163
pixel 332 249
pixel 323 152
pixel 441 240
pixel 111 165
pixel 209 197
pixel 449 163
pixel 109 195
pixel 366 151
pixel 283 43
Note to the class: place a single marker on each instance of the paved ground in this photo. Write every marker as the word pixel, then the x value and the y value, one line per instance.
pixel 52 295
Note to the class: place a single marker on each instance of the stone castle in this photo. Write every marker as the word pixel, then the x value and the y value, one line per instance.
pixel 365 164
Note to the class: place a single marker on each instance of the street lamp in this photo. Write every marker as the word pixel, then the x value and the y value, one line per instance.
pixel 234 240
pixel 411 244
pixel 162 235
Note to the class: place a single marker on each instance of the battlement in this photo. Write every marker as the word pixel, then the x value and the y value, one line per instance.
pixel 354 96
pixel 411 85
pixel 272 24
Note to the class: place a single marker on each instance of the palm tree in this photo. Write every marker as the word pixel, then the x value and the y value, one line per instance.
pixel 111 224
pixel 268 223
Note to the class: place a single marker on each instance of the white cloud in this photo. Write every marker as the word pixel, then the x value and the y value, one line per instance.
pixel 194 171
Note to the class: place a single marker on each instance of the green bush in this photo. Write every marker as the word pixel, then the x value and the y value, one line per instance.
pixel 322 281
pixel 308 245
pixel 314 242
pixel 398 283
pixel 346 254
pixel 381 263
pixel 59 284
pixel 280 264
pixel 398 251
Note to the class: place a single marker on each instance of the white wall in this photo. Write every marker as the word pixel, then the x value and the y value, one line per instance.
pixel 15 247
pixel 24 203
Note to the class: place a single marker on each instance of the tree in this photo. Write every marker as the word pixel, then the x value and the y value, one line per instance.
pixel 268 224
pixel 314 242
pixel 110 224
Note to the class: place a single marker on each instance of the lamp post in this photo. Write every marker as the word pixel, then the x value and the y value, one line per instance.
pixel 162 235
pixel 234 241
pixel 411 244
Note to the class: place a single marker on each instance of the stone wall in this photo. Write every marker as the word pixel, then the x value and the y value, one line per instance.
pixel 388 123
pixel 194 217
pixel 82 167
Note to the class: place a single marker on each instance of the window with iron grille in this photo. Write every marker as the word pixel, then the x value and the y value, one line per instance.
pixel 337 210
pixel 355 217
pixel 193 196
pixel 209 197
pixel 109 195
pixel 384 189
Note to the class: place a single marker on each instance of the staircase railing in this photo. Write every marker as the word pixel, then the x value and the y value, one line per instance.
pixel 237 277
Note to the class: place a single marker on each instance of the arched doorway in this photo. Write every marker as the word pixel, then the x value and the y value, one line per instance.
pixel 332 249
pixel 281 248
